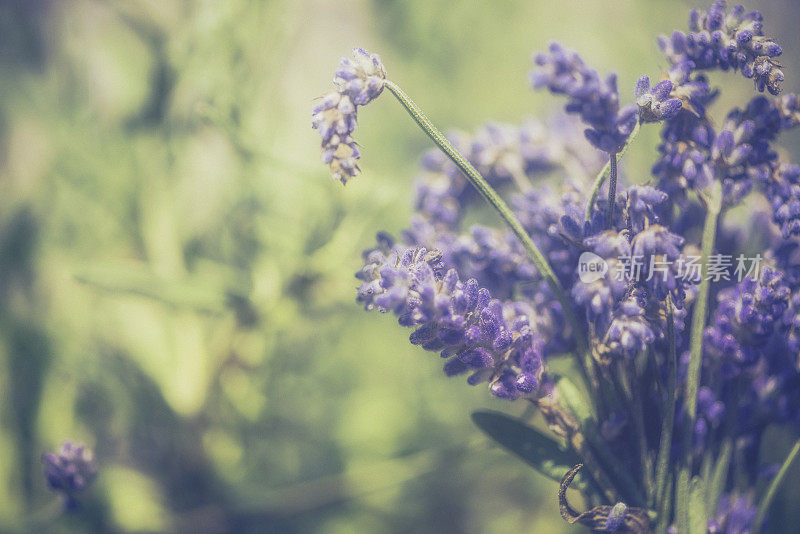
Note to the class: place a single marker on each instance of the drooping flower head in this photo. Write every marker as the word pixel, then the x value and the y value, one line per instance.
pixel 358 82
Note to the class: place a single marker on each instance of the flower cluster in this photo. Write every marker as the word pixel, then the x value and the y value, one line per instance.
pixel 359 81
pixel 458 319
pixel 732 40
pixel 784 191
pixel 475 295
pixel 70 470
pixel 750 363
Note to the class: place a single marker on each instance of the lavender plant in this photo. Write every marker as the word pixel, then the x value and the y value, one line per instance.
pixel 682 339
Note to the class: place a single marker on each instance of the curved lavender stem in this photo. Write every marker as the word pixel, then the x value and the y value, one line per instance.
pixel 505 212
pixel 612 188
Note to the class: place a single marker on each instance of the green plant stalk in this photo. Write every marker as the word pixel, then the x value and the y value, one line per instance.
pixel 663 497
pixel 612 188
pixel 634 378
pixel 774 486
pixel 714 206
pixel 719 475
pixel 505 212
pixel 605 172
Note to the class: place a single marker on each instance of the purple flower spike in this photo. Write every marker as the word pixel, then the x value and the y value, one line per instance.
pixel 460 320
pixel 727 41
pixel 596 100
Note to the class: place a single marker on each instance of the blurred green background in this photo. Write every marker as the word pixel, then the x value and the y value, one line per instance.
pixel 176 267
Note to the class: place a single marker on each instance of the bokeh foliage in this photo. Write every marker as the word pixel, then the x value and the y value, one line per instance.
pixel 176 268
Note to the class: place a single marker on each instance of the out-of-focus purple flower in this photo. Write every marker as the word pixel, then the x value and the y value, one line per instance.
pixel 630 332
pixel 736 514
pixel 784 194
pixel 746 316
pixel 69 470
pixel 506 156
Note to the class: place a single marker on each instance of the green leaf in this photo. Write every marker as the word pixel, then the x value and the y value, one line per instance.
pixel 538 450
pixel 697 506
pixel 574 400
pixel 719 476
pixel 774 486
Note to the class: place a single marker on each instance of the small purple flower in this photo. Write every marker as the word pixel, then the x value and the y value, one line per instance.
pixel 655 103
pixel 70 470
pixel 735 514
pixel 630 332
pixel 334 117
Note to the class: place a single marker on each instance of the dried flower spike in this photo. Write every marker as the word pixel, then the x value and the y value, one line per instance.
pixel 358 81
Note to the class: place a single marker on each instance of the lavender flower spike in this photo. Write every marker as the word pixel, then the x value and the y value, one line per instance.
pixel 458 319
pixel 596 100
pixel 72 469
pixel 727 40
pixel 358 82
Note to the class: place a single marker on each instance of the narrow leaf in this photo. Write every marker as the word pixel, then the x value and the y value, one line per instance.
pixel 697 507
pixel 574 400
pixel 719 476
pixel 774 486
pixel 537 449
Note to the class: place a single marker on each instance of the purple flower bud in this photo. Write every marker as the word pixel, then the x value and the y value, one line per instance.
pixel 70 470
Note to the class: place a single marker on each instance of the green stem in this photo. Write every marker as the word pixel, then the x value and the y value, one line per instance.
pixel 637 397
pixel 502 208
pixel 612 189
pixel 696 353
pixel 601 178
pixel 766 502
pixel 663 496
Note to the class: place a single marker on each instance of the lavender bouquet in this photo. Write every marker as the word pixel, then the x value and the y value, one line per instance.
pixel 655 342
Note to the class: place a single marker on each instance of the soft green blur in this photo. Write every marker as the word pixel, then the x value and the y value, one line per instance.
pixel 176 267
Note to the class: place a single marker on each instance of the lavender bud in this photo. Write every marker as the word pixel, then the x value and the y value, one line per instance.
pixel 70 470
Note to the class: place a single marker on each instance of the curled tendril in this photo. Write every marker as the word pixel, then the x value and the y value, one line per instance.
pixel 604 518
